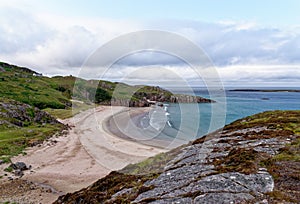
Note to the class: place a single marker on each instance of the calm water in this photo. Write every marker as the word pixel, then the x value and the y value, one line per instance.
pixel 184 118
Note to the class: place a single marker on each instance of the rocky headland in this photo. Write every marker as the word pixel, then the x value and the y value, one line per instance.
pixel 146 96
pixel 252 160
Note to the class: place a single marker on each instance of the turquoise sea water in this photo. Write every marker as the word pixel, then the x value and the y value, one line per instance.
pixel 182 118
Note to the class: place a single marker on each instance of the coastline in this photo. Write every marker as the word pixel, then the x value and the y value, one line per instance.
pixel 265 90
pixel 88 152
pixel 126 124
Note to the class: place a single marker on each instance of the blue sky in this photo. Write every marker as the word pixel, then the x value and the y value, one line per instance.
pixel 266 12
pixel 249 42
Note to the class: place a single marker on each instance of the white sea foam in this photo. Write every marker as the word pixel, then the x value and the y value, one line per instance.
pixel 159 118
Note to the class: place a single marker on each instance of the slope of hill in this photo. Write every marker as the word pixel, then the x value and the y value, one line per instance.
pixel 22 125
pixel 54 94
pixel 252 160
pixel 26 86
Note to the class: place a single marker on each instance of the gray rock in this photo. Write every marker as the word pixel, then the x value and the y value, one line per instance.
pixel 123 192
pixel 2 69
pixel 217 183
pixel 19 173
pixel 19 166
pixel 190 174
pixel 173 201
pixel 223 198
pixel 261 182
pixel 1 161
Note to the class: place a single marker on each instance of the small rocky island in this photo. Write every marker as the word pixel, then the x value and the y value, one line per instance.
pixel 265 90
pixel 252 160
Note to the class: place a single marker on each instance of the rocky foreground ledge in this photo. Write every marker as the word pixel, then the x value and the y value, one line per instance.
pixel 253 160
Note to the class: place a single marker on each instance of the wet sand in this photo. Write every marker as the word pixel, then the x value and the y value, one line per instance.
pixel 126 125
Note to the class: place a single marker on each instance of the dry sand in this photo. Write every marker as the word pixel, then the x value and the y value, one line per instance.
pixel 87 153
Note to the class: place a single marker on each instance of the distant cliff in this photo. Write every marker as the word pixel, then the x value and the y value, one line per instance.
pixel 146 95
pixel 144 102
pixel 252 160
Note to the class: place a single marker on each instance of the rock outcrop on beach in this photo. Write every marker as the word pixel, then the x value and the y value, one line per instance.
pixel 17 114
pixel 252 160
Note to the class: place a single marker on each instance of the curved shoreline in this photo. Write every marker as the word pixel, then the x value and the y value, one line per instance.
pixel 126 125
pixel 87 153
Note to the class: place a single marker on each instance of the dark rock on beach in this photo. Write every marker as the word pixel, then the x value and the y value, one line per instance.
pixel 19 173
pixel 19 166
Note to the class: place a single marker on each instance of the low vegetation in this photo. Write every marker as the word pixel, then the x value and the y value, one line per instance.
pixel 285 169
pixel 152 165
pixel 277 120
pixel 283 166
pixel 22 125
pixel 76 108
pixel 21 84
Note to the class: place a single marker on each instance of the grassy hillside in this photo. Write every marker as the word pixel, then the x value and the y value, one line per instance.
pixel 54 94
pixel 20 84
pixel 22 125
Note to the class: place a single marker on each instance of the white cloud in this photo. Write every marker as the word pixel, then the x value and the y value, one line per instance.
pixel 53 44
pixel 242 51
pixel 256 75
pixel 180 75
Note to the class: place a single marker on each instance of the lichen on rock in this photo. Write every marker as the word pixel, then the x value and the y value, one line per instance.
pixel 252 160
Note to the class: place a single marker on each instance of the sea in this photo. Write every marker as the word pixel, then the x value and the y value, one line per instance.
pixel 186 122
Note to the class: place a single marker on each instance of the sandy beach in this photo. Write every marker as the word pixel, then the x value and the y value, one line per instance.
pixel 88 152
pixel 127 125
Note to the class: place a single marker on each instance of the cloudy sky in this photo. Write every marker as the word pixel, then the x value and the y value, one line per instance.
pixel 254 43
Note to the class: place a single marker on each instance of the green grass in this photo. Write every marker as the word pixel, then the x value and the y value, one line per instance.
pixel 290 152
pixel 36 91
pixel 20 84
pixel 153 164
pixel 280 120
pixel 8 169
pixel 69 112
pixel 21 128
pixel 14 141
pixel 5 159
pixel 60 113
